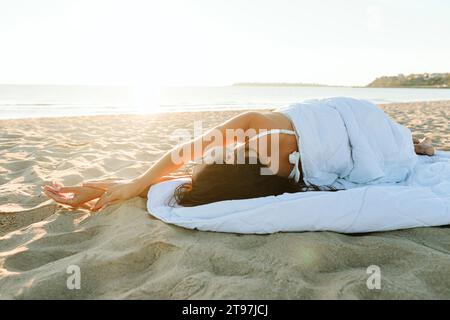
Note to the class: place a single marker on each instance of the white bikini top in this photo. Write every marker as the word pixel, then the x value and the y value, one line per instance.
pixel 294 157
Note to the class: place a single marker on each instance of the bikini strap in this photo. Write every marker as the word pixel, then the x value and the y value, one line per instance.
pixel 294 157
pixel 273 131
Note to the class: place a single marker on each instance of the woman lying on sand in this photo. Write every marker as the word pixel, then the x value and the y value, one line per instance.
pixel 225 176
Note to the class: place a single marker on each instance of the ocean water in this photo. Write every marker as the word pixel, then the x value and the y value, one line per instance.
pixel 26 101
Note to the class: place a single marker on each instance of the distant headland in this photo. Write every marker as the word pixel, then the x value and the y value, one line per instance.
pixel 420 80
pixel 416 80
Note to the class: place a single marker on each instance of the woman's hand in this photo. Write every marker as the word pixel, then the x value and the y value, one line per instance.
pixel 72 196
pixel 115 192
pixel 109 191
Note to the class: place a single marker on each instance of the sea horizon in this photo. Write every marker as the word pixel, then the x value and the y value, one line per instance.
pixel 35 101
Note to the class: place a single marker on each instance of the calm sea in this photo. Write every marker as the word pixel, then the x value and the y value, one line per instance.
pixel 25 101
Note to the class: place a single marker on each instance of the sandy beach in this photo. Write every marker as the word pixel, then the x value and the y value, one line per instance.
pixel 123 253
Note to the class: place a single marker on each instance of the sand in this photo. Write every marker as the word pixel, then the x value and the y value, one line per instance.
pixel 123 253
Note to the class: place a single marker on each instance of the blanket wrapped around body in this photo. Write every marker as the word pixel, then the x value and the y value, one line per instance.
pixel 346 143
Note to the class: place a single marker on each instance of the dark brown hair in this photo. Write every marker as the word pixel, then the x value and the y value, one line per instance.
pixel 218 182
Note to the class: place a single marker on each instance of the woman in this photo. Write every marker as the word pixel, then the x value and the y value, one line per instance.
pixel 262 162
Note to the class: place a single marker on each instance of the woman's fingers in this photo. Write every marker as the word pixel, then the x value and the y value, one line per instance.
pixel 109 195
pixel 108 198
pixel 104 199
pixel 69 189
pixel 50 188
pixel 55 185
pixel 59 198
pixel 110 204
pixel 62 189
pixel 113 202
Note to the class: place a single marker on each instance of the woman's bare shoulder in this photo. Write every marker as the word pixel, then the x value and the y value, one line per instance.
pixel 269 120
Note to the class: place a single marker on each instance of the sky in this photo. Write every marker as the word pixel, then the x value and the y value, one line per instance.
pixel 212 42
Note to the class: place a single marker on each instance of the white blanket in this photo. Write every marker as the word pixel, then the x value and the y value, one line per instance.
pixel 346 143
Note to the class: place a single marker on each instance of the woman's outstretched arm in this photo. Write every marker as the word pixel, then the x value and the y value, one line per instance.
pixel 194 149
pixel 79 196
pixel 174 159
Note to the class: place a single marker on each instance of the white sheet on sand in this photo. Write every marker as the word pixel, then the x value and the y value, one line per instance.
pixel 387 186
